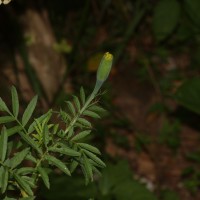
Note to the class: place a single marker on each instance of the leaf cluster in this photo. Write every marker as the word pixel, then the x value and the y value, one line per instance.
pixel 43 145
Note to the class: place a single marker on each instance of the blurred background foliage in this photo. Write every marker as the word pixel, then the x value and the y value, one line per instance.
pixel 153 96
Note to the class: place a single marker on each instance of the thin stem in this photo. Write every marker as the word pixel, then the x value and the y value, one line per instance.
pixel 41 159
pixel 79 113
pixel 87 103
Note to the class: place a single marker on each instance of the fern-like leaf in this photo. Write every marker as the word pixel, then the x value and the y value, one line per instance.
pixel 23 184
pixel 3 144
pixel 29 111
pixel 15 101
pixel 6 119
pixel 91 114
pixel 81 135
pixel 77 103
pixel 59 164
pixel 44 176
pixel 4 179
pixel 82 96
pixel 71 108
pixel 3 106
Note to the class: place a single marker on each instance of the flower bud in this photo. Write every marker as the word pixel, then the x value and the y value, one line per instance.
pixel 104 67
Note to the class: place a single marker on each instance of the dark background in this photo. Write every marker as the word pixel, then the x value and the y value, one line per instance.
pixel 51 48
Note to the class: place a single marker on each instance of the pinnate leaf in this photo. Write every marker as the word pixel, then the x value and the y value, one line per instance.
pixel 77 103
pixel 44 176
pixel 65 151
pixel 31 158
pixel 81 135
pixel 95 158
pixel 6 119
pixel 29 111
pixel 39 120
pixel 84 122
pixel 13 130
pixel 96 108
pixel 1 172
pixel 71 107
pixel 30 141
pixel 23 184
pixel 19 157
pixel 73 165
pixel 30 181
pixel 89 148
pixel 3 144
pixel 3 106
pixel 88 167
pixel 4 180
pixel 25 170
pixel 59 164
pixel 15 101
pixel 70 133
pixel 91 114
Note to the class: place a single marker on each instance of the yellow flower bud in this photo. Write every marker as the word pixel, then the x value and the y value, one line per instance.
pixel 104 67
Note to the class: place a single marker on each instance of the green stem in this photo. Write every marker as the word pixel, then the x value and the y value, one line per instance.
pixel 87 103
pixel 41 159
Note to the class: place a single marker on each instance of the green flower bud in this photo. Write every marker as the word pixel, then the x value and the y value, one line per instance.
pixel 105 67
pixel 103 72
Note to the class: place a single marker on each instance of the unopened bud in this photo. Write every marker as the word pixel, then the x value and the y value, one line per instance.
pixel 105 67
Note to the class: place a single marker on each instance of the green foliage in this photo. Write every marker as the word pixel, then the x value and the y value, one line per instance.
pixel 175 25
pixel 175 19
pixel 74 190
pixel 121 185
pixel 192 9
pixel 3 144
pixel 45 144
pixel 188 94
pixel 165 19
pixel 113 184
